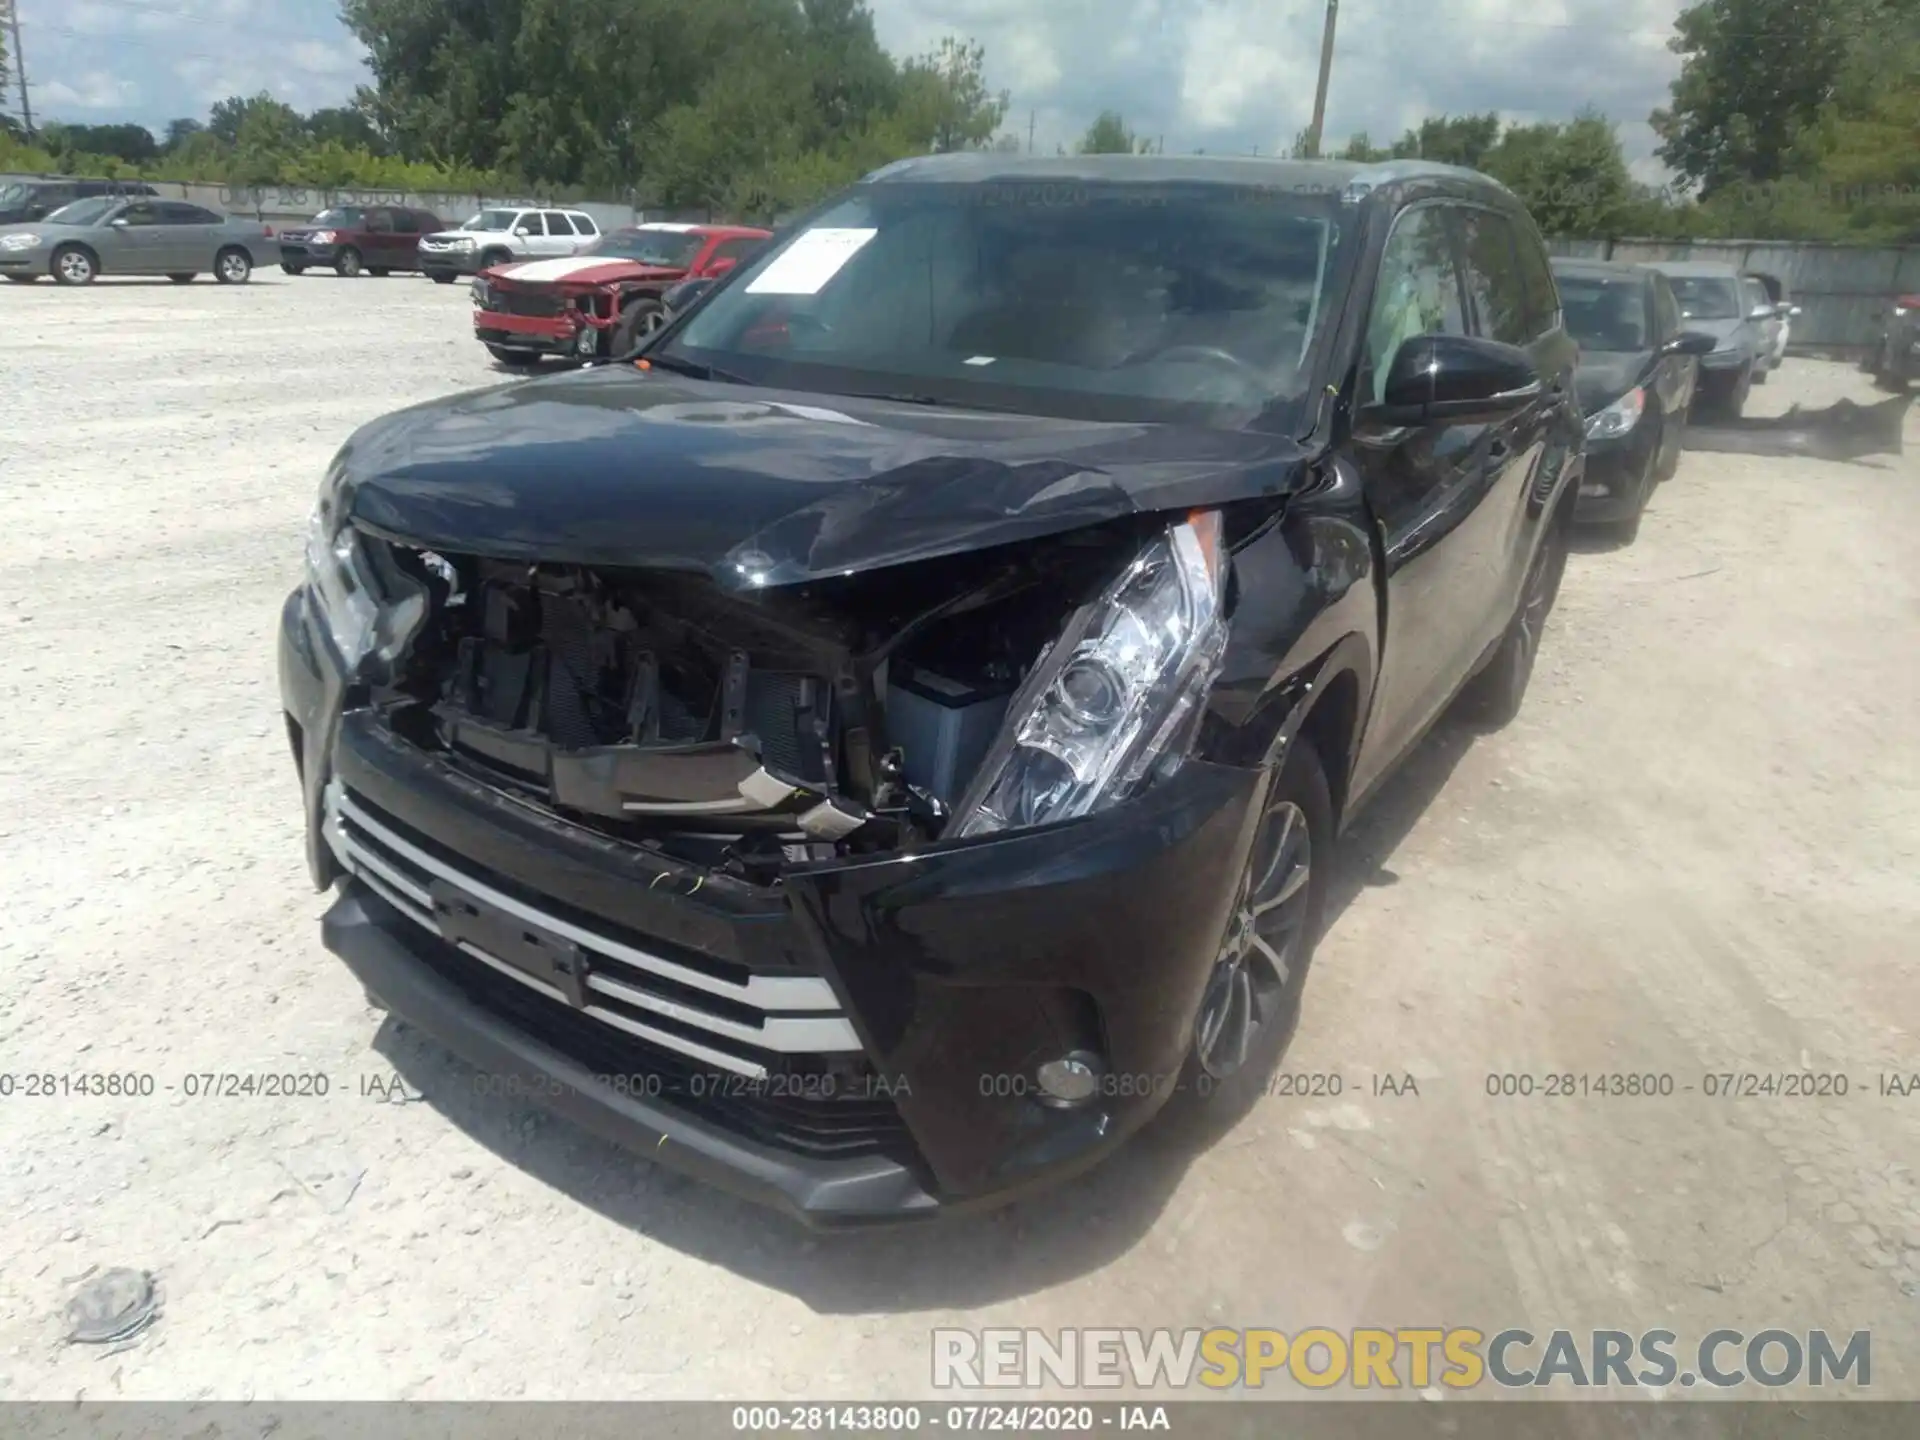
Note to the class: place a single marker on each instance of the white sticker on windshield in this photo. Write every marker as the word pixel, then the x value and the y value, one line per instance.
pixel 979 360
pixel 813 259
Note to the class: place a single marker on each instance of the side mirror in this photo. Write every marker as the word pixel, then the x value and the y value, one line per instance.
pixel 1793 310
pixel 1460 378
pixel 1763 312
pixel 1691 342
pixel 120 222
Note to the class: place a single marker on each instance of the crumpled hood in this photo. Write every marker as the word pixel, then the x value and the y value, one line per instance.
pixel 1603 376
pixel 613 466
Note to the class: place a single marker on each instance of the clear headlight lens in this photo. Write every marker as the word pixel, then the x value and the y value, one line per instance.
pixel 1619 418
pixel 322 237
pixel 337 573
pixel 23 241
pixel 1116 696
pixel 464 242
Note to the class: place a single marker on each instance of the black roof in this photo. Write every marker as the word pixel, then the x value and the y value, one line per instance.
pixel 1308 176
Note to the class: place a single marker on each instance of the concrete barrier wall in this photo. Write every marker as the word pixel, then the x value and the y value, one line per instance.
pixel 1842 290
pixel 286 204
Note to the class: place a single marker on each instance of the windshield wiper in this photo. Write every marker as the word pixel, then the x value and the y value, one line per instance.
pixel 692 369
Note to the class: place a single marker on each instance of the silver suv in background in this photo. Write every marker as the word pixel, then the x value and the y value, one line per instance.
pixel 1714 299
pixel 501 234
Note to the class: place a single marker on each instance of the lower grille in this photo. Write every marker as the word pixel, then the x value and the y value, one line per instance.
pixel 769 1056
pixel 533 303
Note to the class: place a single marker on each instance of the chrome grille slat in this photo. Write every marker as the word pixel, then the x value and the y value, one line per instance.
pixel 824 1030
pixel 763 992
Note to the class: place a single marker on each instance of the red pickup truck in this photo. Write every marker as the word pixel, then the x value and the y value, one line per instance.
pixel 603 300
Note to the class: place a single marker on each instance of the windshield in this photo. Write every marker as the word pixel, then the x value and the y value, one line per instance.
pixel 491 220
pixel 84 212
pixel 1604 314
pixel 345 215
pixel 1095 300
pixel 1705 297
pixel 12 194
pixel 647 246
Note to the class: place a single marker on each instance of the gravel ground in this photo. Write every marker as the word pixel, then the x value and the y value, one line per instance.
pixel 1694 852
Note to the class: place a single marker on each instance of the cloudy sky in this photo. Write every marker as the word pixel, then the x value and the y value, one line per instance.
pixel 1213 74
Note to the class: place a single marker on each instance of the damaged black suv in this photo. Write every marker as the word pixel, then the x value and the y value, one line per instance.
pixel 874 749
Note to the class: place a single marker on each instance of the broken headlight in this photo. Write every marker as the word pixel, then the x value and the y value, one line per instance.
pixel 366 606
pixel 1117 696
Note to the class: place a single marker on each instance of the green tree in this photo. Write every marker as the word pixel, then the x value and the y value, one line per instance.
pixel 1755 75
pixel 1451 140
pixel 1109 135
pixel 945 96
pixel 1573 177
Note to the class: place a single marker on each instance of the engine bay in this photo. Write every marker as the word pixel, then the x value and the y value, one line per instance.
pixel 742 731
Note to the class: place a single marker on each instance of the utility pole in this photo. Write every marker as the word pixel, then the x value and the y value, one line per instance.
pixel 1320 90
pixel 20 65
pixel 1030 115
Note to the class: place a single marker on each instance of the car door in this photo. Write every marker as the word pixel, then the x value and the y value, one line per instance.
pixel 529 235
pixel 562 238
pixel 730 255
pixel 135 242
pixel 377 239
pixel 1423 485
pixel 187 237
pixel 1524 449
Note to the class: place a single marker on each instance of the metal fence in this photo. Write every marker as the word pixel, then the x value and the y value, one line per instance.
pixel 1842 290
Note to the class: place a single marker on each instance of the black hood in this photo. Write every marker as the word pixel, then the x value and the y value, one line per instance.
pixel 1605 375
pixel 613 466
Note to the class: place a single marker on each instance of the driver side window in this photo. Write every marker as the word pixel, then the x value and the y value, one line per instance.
pixel 1418 293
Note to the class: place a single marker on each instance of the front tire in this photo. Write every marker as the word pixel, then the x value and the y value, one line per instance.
pixel 1494 696
pixel 185 277
pixel 378 272
pixel 637 322
pixel 347 263
pixel 292 269
pixel 1251 1003
pixel 74 265
pixel 233 266
pixel 1885 376
pixel 440 277
pixel 495 257
pixel 23 279
pixel 518 359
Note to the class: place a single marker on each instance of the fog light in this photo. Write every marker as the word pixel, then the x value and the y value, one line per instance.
pixel 1073 1079
pixel 587 341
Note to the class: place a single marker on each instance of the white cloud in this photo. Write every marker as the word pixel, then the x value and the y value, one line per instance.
pixel 91 90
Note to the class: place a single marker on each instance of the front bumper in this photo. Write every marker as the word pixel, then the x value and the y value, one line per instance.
pixel 307 253
pixel 960 969
pixel 548 334
pixel 24 262
pixel 451 262
pixel 1616 473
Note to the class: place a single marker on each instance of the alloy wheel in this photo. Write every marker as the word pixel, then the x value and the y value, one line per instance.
pixel 75 267
pixel 1260 955
pixel 234 268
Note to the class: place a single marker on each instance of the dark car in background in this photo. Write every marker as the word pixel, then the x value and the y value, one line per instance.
pixel 1638 368
pixel 879 748
pixel 1894 359
pixel 352 239
pixel 1714 301
pixel 25 200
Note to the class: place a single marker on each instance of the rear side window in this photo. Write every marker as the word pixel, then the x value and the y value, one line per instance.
pixel 557 224
pixel 584 224
pixel 529 224
pixel 406 222
pixel 177 212
pixel 380 222
pixel 1495 284
pixel 738 250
